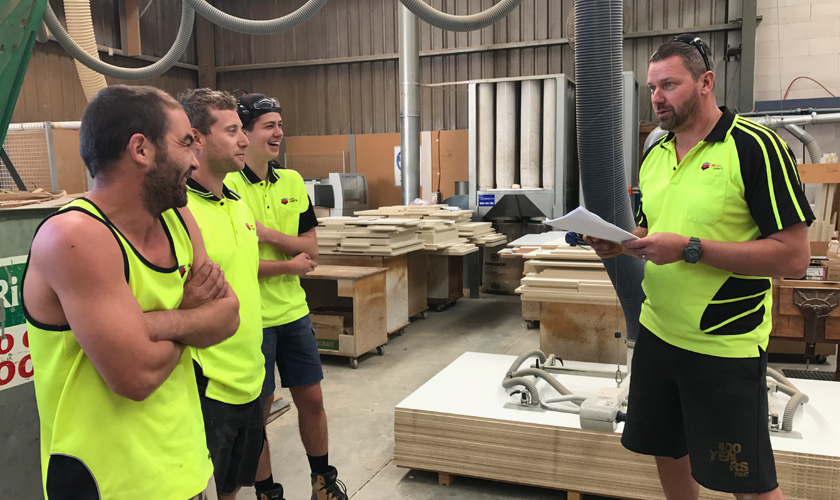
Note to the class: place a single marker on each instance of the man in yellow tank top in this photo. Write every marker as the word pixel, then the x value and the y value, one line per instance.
pixel 229 375
pixel 118 286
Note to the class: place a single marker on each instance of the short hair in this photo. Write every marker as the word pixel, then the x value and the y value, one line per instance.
pixel 689 54
pixel 114 115
pixel 198 104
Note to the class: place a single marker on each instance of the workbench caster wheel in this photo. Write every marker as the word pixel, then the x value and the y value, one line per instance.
pixel 532 324
pixel 380 350
pixel 354 363
pixel 424 315
pixel 438 307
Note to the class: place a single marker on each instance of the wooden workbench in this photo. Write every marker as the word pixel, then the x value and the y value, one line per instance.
pixel 358 289
pixel 405 280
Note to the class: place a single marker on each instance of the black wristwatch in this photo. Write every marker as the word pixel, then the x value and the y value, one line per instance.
pixel 692 253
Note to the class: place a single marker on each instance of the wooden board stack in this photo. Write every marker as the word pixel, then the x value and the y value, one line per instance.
pixel 481 233
pixel 569 274
pixel 822 228
pixel 439 234
pixel 368 236
pixel 457 423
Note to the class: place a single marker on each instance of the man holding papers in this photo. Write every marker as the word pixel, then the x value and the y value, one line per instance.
pixel 723 211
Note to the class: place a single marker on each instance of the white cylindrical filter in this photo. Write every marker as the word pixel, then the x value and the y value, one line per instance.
pixel 486 136
pixel 529 133
pixel 505 134
pixel 549 132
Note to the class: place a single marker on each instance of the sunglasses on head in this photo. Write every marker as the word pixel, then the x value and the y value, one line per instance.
pixel 267 103
pixel 696 42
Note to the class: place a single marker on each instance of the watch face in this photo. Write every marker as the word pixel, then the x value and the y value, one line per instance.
pixel 691 254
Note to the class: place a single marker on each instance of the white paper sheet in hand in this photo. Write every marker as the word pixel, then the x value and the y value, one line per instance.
pixel 582 221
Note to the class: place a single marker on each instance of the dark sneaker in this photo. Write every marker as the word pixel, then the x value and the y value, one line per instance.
pixel 275 493
pixel 327 486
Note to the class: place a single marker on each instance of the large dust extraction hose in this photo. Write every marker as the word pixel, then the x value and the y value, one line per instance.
pixel 808 140
pixel 530 386
pixel 599 98
pixel 157 68
pixel 257 27
pixel 80 29
pixel 452 22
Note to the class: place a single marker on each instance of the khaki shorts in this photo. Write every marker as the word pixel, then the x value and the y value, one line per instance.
pixel 209 493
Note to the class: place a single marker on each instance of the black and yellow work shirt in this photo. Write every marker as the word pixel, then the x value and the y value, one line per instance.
pixel 235 368
pixel 279 202
pixel 739 184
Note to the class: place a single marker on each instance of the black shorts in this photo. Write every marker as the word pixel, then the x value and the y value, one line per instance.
pixel 234 438
pixel 712 409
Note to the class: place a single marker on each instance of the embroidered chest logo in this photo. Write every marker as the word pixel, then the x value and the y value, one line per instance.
pixel 728 452
pixel 182 270
pixel 713 166
pixel 288 200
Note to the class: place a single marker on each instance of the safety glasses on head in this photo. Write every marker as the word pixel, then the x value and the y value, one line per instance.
pixel 696 42
pixel 251 106
pixel 269 103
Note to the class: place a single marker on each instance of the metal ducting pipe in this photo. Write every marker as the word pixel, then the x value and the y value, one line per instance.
pixel 409 107
pixel 257 27
pixel 598 60
pixel 486 136
pixel 159 67
pixel 80 28
pixel 505 134
pixel 780 121
pixel 808 140
pixel 451 22
pixel 549 132
pixel 529 134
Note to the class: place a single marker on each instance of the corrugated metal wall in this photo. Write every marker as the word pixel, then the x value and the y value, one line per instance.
pixel 51 90
pixel 352 96
pixel 362 97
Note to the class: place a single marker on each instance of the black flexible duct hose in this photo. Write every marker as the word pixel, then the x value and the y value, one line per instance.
pixel 598 59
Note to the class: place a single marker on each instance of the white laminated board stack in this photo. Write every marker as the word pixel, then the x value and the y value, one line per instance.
pixel 570 274
pixel 457 424
pixel 368 236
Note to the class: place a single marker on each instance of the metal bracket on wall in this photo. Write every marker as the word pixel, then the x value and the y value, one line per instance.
pixel 815 304
pixel 12 171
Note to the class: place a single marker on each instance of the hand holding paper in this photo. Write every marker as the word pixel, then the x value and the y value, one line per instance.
pixel 582 221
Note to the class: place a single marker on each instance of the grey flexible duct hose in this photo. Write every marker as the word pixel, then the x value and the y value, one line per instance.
pixel 528 384
pixel 546 404
pixel 144 73
pixel 598 61
pixel 808 140
pixel 790 410
pixel 522 357
pixel 43 35
pixel 796 397
pixel 451 22
pixel 553 382
pixel 654 136
pixel 257 27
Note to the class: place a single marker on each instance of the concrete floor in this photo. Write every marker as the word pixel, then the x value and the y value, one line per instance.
pixel 360 406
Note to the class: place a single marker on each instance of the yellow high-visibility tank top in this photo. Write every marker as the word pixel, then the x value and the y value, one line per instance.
pixel 103 445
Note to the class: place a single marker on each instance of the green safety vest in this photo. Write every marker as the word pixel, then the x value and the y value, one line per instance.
pixel 151 449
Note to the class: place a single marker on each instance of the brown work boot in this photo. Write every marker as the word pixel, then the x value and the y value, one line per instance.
pixel 327 486
pixel 275 493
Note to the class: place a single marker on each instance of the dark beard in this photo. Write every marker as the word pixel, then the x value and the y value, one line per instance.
pixel 682 115
pixel 162 186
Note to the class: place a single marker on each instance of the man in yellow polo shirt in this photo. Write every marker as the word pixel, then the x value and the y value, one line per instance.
pixel 230 374
pixel 286 228
pixel 723 211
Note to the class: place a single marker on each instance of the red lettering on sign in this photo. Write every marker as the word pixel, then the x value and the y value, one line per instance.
pixel 26 338
pixel 6 344
pixel 9 374
pixel 23 370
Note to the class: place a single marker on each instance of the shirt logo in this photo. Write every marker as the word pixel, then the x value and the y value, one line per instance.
pixel 288 200
pixel 713 166
pixel 248 226
pixel 182 270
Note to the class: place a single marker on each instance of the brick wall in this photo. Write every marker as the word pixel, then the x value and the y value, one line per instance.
pixel 799 38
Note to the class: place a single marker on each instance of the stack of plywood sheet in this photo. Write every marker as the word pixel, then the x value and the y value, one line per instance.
pixel 481 233
pixel 570 274
pixel 368 236
pixel 457 424
pixel 439 234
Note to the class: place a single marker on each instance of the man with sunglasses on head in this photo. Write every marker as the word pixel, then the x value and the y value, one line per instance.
pixel 722 212
pixel 286 225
